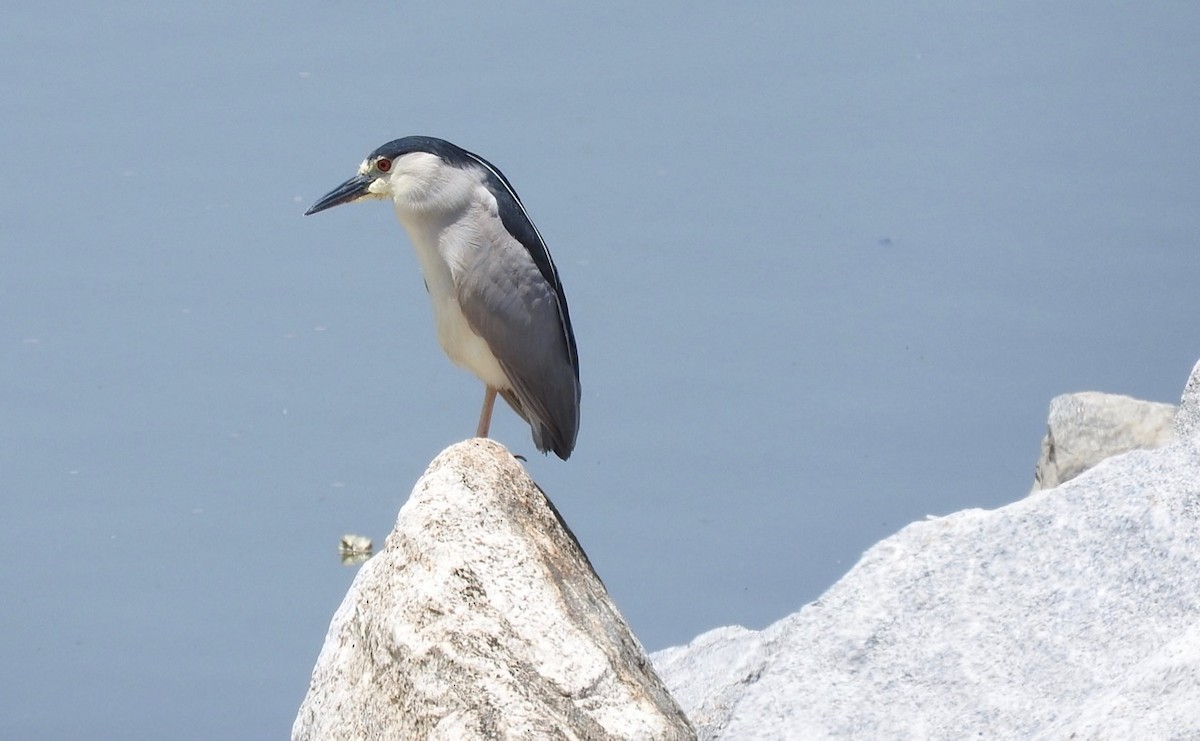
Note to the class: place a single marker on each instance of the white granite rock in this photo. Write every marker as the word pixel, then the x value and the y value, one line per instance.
pixel 1187 420
pixel 1084 428
pixel 1073 613
pixel 482 619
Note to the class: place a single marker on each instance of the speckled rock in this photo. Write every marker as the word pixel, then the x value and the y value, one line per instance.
pixel 482 619
pixel 1084 428
pixel 1071 613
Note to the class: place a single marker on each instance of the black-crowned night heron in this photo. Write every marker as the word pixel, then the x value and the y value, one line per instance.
pixel 499 306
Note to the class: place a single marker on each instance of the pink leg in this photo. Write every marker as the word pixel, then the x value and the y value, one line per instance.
pixel 485 416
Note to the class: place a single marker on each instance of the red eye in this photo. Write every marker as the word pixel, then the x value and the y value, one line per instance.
pixel 383 164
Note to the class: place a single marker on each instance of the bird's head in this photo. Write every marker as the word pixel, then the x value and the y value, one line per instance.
pixel 416 172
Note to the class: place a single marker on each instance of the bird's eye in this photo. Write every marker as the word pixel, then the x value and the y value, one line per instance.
pixel 383 164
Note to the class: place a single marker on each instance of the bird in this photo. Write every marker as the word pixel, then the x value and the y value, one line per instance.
pixel 498 303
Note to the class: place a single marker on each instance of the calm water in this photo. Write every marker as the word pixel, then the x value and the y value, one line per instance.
pixel 827 268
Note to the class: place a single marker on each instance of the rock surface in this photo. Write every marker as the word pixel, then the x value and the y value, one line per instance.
pixel 482 619
pixel 1083 429
pixel 1073 613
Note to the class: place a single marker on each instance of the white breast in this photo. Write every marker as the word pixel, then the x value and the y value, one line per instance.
pixel 441 246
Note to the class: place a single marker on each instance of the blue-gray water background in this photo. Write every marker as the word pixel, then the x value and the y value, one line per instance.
pixel 827 267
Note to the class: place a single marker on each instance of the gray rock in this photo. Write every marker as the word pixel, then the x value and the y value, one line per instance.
pixel 1084 428
pixel 1072 613
pixel 482 619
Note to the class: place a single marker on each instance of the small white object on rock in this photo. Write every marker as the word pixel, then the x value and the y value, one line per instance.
pixel 1072 613
pixel 1084 428
pixel 481 618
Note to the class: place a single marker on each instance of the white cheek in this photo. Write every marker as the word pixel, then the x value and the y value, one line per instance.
pixel 378 188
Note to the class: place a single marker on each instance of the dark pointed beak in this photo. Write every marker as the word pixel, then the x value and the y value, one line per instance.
pixel 351 190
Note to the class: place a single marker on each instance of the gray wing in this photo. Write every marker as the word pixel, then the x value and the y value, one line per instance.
pixel 508 302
